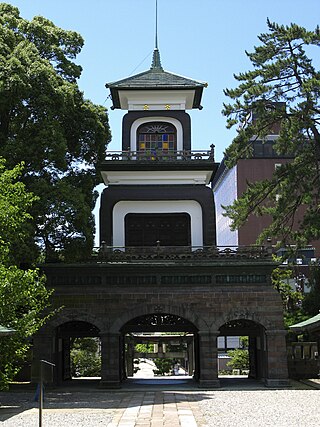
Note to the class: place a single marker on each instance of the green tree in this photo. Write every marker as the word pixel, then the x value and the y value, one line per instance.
pixel 23 296
pixel 311 302
pixel 164 366
pixel 144 348
pixel 240 356
pixel 85 358
pixel 46 121
pixel 292 298
pixel 239 359
pixel 283 88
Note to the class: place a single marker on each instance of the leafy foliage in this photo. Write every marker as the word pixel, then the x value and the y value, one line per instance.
pixel 85 358
pixel 45 121
pixel 239 359
pixel 164 366
pixel 282 90
pixel 292 299
pixel 240 356
pixel 311 303
pixel 144 348
pixel 14 205
pixel 23 296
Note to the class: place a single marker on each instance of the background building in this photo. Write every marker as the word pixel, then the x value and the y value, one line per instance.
pixel 229 184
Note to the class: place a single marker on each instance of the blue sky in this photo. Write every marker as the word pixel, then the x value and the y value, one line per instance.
pixel 201 39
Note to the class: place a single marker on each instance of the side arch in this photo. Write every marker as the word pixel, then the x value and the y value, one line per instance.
pixel 242 314
pixel 71 315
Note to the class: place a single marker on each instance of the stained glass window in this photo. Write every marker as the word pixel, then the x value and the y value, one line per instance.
pixel 157 136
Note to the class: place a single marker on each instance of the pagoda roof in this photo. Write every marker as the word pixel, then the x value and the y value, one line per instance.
pixel 156 78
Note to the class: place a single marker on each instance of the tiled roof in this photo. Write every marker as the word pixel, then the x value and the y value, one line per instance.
pixel 156 77
pixel 308 324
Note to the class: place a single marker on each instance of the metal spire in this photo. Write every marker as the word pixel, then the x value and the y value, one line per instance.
pixel 156 40
pixel 156 62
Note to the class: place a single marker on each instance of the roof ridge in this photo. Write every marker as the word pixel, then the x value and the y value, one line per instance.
pixel 162 72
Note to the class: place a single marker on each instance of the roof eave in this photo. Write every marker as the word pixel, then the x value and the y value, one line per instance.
pixel 114 91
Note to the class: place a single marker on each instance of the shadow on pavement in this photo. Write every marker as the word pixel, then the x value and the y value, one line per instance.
pixel 80 393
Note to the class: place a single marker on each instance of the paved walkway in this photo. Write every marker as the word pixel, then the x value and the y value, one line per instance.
pixel 80 405
pixel 158 409
pixel 113 409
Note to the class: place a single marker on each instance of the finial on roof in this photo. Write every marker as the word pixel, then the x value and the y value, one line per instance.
pixel 156 38
pixel 156 62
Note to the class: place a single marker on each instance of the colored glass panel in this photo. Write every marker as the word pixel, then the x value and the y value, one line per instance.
pixel 156 135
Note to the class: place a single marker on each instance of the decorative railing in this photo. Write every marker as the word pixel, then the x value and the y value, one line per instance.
pixel 160 155
pixel 180 253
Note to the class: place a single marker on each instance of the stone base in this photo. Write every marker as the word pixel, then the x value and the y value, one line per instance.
pixel 109 384
pixel 209 384
pixel 277 383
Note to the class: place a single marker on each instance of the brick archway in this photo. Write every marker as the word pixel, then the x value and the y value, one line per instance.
pixel 160 328
pixel 70 315
pixel 148 309
pixel 256 347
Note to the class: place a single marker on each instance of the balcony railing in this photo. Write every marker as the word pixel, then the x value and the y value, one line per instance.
pixel 160 155
pixel 180 253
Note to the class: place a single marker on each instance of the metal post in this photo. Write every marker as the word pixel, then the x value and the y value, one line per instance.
pixel 42 362
pixel 41 394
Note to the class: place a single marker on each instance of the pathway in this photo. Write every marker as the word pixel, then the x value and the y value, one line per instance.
pixel 111 409
pixel 158 409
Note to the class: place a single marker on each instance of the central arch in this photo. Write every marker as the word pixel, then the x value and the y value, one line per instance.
pixel 159 322
pixel 171 337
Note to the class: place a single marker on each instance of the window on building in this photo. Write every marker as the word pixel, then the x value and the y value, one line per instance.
pixel 157 136
pixel 268 149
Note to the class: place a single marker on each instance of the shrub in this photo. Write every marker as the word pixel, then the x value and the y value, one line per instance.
pixel 164 366
pixel 85 358
pixel 239 359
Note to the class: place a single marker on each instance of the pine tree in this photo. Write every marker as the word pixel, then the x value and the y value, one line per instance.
pixel 283 87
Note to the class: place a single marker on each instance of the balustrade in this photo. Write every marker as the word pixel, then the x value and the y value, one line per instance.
pixel 176 253
pixel 160 155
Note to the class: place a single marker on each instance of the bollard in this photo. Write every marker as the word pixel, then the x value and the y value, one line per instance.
pixel 42 362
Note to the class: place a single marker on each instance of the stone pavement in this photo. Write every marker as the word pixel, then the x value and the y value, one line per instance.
pixel 158 409
pixel 147 403
pixel 136 408
pixel 144 401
